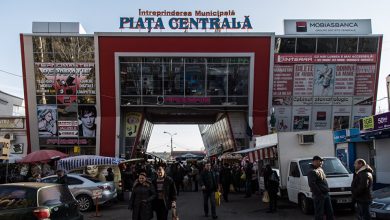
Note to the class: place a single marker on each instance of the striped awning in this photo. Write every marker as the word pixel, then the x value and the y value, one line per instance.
pixel 71 163
pixel 261 154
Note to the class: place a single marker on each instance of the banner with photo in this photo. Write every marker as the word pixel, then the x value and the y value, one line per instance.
pixel 133 121
pixel 85 79
pixel 87 120
pixel 363 100
pixel 68 129
pixel 324 79
pixel 365 80
pixel 345 80
pixel 283 118
pixel 321 117
pixel 281 100
pixel 66 100
pixel 360 111
pixel 45 77
pixel 283 80
pixel 47 120
pixel 303 79
pixel 301 118
pixel 341 117
pixel 65 79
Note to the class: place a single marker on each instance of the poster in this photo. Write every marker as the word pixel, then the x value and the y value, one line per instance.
pixel 363 100
pixel 45 78
pixel 365 80
pixel 66 100
pixel 85 79
pixel 283 80
pixel 281 100
pixel 65 79
pixel 47 120
pixel 341 117
pixel 360 111
pixel 342 154
pixel 322 100
pixel 283 118
pixel 303 79
pixel 324 79
pixel 133 121
pixel 345 80
pixel 68 129
pixel 301 118
pixel 87 120
pixel 321 118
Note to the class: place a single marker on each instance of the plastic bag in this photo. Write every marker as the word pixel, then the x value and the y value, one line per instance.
pixel 174 214
pixel 265 197
pixel 231 188
pixel 243 176
pixel 217 198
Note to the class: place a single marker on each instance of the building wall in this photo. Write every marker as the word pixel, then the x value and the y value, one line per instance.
pixel 8 103
pixel 382 164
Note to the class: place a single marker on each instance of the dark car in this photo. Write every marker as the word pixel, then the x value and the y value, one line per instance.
pixel 380 207
pixel 32 201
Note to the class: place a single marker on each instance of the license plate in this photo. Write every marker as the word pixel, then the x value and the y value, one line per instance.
pixel 373 214
pixel 344 200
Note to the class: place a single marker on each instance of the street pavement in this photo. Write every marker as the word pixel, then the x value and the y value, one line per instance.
pixel 190 207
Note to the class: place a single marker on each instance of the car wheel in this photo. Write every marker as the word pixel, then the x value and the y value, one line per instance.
pixel 85 202
pixel 305 205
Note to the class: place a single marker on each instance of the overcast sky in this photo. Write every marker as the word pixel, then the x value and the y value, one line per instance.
pixel 16 17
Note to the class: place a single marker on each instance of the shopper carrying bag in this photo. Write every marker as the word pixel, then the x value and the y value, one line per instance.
pixel 265 197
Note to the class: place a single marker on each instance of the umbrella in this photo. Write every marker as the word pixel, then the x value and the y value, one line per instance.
pixel 42 156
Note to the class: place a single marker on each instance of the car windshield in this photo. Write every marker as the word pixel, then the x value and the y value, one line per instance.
pixel 15 197
pixel 93 179
pixel 331 166
pixel 54 195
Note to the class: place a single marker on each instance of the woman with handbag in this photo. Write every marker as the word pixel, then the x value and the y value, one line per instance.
pixel 141 198
pixel 271 182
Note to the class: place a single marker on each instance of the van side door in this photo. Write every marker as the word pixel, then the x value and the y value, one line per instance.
pixel 293 182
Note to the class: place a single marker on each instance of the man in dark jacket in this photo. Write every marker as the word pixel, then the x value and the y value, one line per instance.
pixel 320 190
pixel 362 188
pixel 110 175
pixel 166 194
pixel 209 184
pixel 62 178
pixel 225 179
pixel 248 181
pixel 271 183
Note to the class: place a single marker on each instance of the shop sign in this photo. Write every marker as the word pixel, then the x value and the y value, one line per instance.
pixel 11 123
pixel 376 122
pixel 340 136
pixel 325 58
pixel 185 20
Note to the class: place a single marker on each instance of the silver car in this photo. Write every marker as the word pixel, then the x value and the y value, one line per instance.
pixel 82 187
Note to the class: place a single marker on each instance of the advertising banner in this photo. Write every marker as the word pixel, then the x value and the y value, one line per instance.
pixel 340 136
pixel 325 58
pixel 322 100
pixel 345 80
pixel 45 78
pixel 341 117
pixel 337 100
pixel 324 79
pixel 283 118
pixel 327 27
pixel 301 118
pixel 283 80
pixel 365 80
pixel 133 121
pixel 66 99
pixel 68 129
pixel 321 118
pixel 303 79
pixel 87 119
pixel 12 123
pixel 47 120
pixel 360 111
pixel 281 100
pixel 375 122
pixel 363 100
pixel 86 78
pixel 303 100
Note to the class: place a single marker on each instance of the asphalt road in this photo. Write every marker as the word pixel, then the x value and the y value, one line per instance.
pixel 190 207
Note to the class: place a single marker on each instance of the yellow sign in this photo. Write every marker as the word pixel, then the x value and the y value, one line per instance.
pixel 368 123
pixel 133 121
pixel 76 149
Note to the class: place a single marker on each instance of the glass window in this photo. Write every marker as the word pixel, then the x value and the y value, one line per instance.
pixel 42 44
pixel 326 45
pixel 238 80
pixel 54 195
pixel 195 79
pixel 152 78
pixel 368 45
pixel 347 45
pixel 130 79
pixel 331 166
pixel 74 181
pixel 306 45
pixel 294 170
pixel 217 79
pixel 22 197
pixel 285 45
pixel 173 78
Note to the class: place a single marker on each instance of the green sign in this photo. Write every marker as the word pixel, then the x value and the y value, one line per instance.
pixel 368 123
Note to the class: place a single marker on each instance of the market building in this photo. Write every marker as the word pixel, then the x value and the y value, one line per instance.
pixel 102 93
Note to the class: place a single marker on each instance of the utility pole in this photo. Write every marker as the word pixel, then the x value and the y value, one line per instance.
pixel 165 132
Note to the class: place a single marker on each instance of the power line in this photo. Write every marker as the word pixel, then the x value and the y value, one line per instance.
pixel 13 74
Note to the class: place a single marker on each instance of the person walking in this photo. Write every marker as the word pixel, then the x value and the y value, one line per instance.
pixel 271 183
pixel 141 198
pixel 166 194
pixel 320 190
pixel 226 180
pixel 209 184
pixel 62 178
pixel 110 175
pixel 361 188
pixel 248 179
pixel 195 176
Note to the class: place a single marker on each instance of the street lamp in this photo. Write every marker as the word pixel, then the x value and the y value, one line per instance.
pixel 165 132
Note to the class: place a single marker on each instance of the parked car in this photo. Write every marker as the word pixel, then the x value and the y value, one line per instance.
pixel 380 207
pixel 32 201
pixel 82 187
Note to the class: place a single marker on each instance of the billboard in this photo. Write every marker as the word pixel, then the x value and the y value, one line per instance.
pixel 327 27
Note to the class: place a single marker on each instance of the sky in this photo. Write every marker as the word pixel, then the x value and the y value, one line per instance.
pixel 16 16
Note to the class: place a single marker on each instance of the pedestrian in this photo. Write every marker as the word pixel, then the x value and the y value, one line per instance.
pixel 248 179
pixel 225 180
pixel 141 198
pixel 195 176
pixel 271 183
pixel 362 188
pixel 110 175
pixel 178 177
pixel 320 190
pixel 166 194
pixel 208 181
pixel 62 178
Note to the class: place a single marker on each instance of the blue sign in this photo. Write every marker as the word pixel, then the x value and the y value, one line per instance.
pixel 340 136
